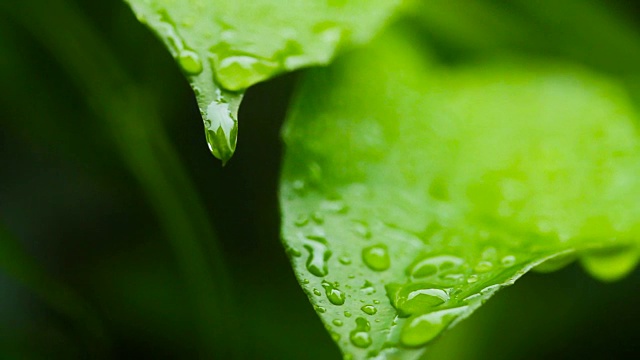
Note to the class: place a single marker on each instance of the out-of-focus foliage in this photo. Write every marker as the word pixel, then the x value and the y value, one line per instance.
pixel 111 202
pixel 411 193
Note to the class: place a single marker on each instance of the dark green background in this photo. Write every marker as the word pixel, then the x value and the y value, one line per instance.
pixel 94 113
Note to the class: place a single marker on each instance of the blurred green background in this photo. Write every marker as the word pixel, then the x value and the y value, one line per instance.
pixel 121 236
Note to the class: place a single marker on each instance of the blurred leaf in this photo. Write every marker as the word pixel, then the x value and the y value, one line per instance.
pixel 223 46
pixel 412 193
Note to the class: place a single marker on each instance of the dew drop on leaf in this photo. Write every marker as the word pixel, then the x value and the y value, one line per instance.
pixel 360 336
pixel 319 254
pixel 334 295
pixel 190 62
pixel 369 309
pixel 376 257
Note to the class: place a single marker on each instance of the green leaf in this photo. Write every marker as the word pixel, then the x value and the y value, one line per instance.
pixel 411 193
pixel 225 46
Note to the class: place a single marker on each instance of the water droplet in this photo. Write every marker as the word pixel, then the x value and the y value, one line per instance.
pixel 347 314
pixel 376 302
pixel 298 186
pixel 432 265
pixel 611 264
pixel 190 62
pixel 317 217
pixel 345 260
pixel 360 335
pixel 376 257
pixel 316 292
pixel 421 329
pixel 335 206
pixel 472 278
pixel 368 288
pixel 335 296
pixel 302 220
pixel 294 252
pixel 237 72
pixel 337 322
pixel 335 336
pixel 305 281
pixel 483 266
pixel 415 298
pixel 508 260
pixel 369 309
pixel 362 229
pixel 221 126
pixel 319 254
pixel 320 309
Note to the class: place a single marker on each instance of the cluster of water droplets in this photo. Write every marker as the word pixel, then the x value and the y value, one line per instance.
pixel 441 287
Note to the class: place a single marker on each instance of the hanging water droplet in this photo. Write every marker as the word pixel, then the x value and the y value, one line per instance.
pixel 376 257
pixel 221 126
pixel 360 335
pixel 369 309
pixel 319 255
pixel 334 295
pixel 190 62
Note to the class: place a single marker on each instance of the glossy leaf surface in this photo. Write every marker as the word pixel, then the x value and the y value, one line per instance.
pixel 225 46
pixel 412 192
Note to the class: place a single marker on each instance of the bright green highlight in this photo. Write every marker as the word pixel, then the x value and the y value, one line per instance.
pixel 226 46
pixel 451 183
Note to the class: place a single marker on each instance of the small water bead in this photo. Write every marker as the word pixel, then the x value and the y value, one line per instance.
pixel 345 260
pixel 335 336
pixel 319 255
pixel 294 252
pixel 316 292
pixel 368 288
pixel 360 335
pixel 415 298
pixel 432 265
pixel 483 266
pixel 301 220
pixel 472 278
pixel 369 309
pixel 422 328
pixel 376 257
pixel 335 206
pixel 508 260
pixel 376 302
pixel 239 71
pixel 190 62
pixel 347 314
pixel 299 186
pixel 335 296
pixel 305 281
pixel 362 229
pixel 337 322
pixel 317 217
pixel 321 309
